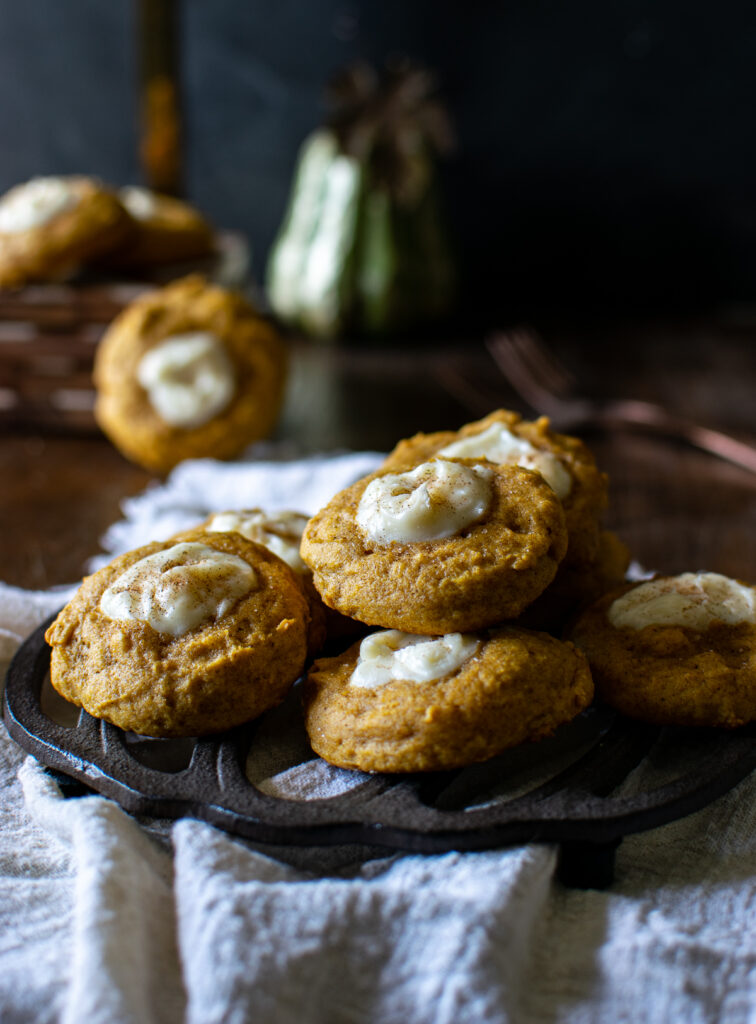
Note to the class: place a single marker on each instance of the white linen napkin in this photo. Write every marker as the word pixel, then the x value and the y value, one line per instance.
pixel 104 918
pixel 196 488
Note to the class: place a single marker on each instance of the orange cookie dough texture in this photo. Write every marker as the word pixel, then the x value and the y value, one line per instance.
pixel 90 223
pixel 487 573
pixel 671 674
pixel 223 671
pixel 164 230
pixel 517 687
pixel 252 357
pixel 587 497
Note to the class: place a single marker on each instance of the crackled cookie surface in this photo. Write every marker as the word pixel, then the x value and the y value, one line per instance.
pixel 504 437
pixel 188 371
pixel 51 225
pixel 677 650
pixel 190 636
pixel 448 545
pixel 399 702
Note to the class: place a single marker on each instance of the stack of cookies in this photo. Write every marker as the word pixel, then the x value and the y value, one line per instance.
pixel 53 226
pixel 442 562
pixel 455 547
pixel 474 551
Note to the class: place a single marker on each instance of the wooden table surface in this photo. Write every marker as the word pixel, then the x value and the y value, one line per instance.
pixel 676 507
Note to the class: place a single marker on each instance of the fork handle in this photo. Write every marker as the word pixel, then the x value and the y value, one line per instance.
pixel 623 413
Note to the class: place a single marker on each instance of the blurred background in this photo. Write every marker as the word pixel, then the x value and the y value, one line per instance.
pixel 601 188
pixel 605 156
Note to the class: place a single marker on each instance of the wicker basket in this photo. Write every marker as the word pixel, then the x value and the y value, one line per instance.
pixel 49 333
pixel 48 336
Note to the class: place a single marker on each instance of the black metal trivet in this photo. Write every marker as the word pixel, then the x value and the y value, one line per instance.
pixel 432 813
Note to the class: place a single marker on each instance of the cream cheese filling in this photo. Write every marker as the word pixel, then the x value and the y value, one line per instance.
pixel 391 654
pixel 280 533
pixel 189 378
pixel 498 444
pixel 691 600
pixel 177 589
pixel 35 203
pixel 437 499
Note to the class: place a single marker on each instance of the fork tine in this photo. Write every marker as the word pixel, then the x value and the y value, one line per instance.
pixel 540 360
pixel 527 364
pixel 471 396
pixel 507 353
pixel 551 372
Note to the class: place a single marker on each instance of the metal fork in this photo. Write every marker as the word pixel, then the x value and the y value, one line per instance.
pixel 538 377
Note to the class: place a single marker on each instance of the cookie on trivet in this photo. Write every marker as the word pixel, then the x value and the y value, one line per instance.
pixel 50 226
pixel 187 371
pixel 677 650
pixel 165 230
pixel 504 437
pixel 449 545
pixel 404 703
pixel 181 638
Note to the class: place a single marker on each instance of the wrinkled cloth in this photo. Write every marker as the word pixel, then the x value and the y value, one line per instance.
pixel 106 918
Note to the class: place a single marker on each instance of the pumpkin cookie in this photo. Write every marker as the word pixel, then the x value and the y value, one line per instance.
pixel 165 230
pixel 188 371
pixel 50 226
pixel 181 638
pixel 449 545
pixel 404 703
pixel 677 650
pixel 504 437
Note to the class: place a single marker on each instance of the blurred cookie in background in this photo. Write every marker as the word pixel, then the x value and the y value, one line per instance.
pixel 164 230
pixel 188 371
pixel 51 226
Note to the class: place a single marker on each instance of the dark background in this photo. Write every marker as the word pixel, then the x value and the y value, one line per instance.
pixel 606 155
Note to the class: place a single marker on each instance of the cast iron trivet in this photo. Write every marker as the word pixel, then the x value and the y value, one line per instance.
pixel 430 814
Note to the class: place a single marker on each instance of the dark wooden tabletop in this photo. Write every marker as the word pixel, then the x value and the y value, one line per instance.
pixel 676 507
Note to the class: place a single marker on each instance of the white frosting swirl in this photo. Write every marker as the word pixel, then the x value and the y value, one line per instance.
pixel 391 654
pixel 498 444
pixel 176 589
pixel 189 378
pixel 35 203
pixel 437 499
pixel 280 533
pixel 691 600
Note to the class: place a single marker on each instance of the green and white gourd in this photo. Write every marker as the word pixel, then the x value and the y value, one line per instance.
pixel 355 256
